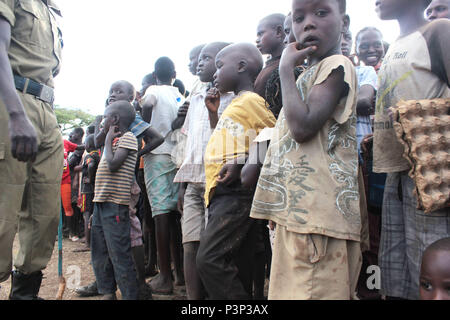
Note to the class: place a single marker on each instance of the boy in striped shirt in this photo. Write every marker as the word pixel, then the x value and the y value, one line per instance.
pixel 110 233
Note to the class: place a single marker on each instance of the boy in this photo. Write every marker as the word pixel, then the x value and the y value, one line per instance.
pixel 270 40
pixel 226 245
pixel 309 182
pixel 290 37
pixel 192 172
pixel 110 238
pixel 417 66
pixel 90 164
pixel 159 108
pixel 66 187
pixel 124 91
pixel 76 136
pixel 438 9
pixel 435 271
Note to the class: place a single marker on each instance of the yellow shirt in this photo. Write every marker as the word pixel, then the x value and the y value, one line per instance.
pixel 36 38
pixel 238 126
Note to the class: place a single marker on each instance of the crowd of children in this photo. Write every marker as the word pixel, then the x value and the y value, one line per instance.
pixel 189 187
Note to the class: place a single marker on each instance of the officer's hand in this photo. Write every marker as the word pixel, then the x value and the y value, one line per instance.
pixel 23 138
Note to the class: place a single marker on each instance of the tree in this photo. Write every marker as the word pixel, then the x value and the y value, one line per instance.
pixel 69 119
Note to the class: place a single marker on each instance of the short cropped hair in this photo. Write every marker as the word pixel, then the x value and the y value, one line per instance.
pixel 358 35
pixel 90 141
pixel 79 131
pixel 149 79
pixel 180 85
pixel 164 69
pixel 440 245
pixel 125 110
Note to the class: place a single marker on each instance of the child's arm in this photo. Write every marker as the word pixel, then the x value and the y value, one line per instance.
pixel 152 141
pixel 212 102
pixel 147 108
pixel 306 119
pixel 251 170
pixel 91 170
pixel 114 160
pixel 181 117
pixel 99 134
pixel 365 105
pixel 231 171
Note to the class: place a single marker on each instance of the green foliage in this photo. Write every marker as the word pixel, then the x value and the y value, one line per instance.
pixel 69 119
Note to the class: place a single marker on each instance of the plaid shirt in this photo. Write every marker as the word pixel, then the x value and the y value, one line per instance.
pixel 198 130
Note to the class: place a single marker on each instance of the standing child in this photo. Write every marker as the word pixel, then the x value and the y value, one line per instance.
pixel 124 91
pixel 66 189
pixel 90 164
pixel 110 239
pixel 270 40
pixel 309 182
pixel 192 172
pixel 416 67
pixel 160 108
pixel 225 254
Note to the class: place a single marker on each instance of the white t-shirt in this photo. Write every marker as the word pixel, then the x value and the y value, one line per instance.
pixel 165 111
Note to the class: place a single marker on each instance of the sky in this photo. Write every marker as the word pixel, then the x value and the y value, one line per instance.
pixel 110 40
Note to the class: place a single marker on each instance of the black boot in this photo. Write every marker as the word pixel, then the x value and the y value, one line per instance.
pixel 25 287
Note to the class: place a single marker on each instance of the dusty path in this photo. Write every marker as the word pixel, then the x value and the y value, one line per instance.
pixel 77 271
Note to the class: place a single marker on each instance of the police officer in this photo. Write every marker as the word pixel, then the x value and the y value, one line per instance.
pixel 31 148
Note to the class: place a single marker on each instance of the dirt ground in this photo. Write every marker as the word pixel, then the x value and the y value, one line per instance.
pixel 77 272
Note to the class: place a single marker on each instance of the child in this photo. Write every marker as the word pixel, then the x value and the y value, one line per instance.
pixel 415 67
pixel 74 160
pixel 90 164
pixel 290 37
pixel 124 91
pixel 365 106
pixel 110 238
pixel 227 244
pixel 438 9
pixel 370 47
pixel 198 85
pixel 192 171
pixel 435 271
pixel 66 188
pixel 270 40
pixel 367 86
pixel 309 182
pixel 160 107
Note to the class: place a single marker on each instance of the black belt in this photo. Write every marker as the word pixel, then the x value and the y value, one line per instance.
pixel 40 91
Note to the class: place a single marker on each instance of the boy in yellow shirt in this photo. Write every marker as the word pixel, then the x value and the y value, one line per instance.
pixel 225 252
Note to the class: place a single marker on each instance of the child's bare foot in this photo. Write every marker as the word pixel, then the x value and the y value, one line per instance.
pixel 161 285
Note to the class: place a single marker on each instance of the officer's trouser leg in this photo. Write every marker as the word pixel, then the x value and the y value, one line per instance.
pixel 38 197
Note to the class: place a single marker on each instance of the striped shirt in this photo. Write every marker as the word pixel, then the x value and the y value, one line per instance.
pixel 115 187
